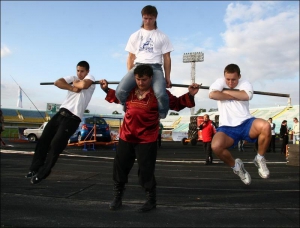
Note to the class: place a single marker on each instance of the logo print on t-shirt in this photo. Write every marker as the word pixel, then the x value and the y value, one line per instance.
pixel 147 46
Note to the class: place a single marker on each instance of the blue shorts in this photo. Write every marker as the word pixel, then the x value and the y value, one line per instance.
pixel 240 132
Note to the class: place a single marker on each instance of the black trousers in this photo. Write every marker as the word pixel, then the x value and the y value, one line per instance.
pixel 52 142
pixel 145 153
pixel 285 141
pixel 159 140
pixel 272 144
pixel 208 150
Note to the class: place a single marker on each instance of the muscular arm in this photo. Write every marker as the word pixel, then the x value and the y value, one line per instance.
pixel 229 95
pixel 186 100
pixel 82 84
pixel 130 61
pixel 77 86
pixel 62 84
pixel 111 93
pixel 167 68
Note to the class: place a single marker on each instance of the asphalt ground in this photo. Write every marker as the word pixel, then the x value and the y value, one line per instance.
pixel 189 193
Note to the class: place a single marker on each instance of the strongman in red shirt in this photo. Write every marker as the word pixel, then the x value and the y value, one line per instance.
pixel 138 134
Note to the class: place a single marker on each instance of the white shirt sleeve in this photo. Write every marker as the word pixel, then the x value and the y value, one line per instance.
pixel 218 85
pixel 247 87
pixel 70 79
pixel 131 45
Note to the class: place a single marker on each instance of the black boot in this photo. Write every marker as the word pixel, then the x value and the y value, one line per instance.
pixel 211 159
pixel 119 189
pixel 151 201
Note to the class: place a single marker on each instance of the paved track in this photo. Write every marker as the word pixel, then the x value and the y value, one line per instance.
pixel 189 193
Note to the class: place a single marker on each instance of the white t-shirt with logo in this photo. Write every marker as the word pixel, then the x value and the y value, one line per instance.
pixel 149 46
pixel 78 102
pixel 232 112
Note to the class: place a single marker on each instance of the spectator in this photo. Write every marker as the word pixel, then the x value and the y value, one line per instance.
pixel 208 128
pixel 272 142
pixel 284 135
pixel 295 130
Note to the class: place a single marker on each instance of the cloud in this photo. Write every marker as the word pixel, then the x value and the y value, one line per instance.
pixel 5 51
pixel 263 39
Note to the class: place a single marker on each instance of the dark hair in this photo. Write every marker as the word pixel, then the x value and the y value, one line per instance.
pixel 232 68
pixel 143 70
pixel 206 115
pixel 284 121
pixel 84 64
pixel 149 10
pixel 270 118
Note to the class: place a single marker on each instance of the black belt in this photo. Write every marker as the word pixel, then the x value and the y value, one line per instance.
pixel 154 64
pixel 67 113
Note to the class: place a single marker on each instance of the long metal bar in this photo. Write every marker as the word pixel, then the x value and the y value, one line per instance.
pixel 186 86
pixel 255 92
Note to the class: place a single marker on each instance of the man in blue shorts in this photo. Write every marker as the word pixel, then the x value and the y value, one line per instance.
pixel 236 123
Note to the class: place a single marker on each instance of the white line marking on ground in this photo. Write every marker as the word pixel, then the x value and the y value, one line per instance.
pixel 111 158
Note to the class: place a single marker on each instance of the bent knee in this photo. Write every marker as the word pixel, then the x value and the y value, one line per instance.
pixel 216 146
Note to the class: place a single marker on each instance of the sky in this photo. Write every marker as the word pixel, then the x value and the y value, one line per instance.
pixel 42 41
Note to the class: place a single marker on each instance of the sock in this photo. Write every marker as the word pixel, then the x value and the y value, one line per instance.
pixel 236 167
pixel 259 157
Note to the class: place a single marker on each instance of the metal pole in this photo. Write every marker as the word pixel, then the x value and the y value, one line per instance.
pixel 193 74
pixel 255 92
pixel 192 58
pixel 96 82
pixel 186 86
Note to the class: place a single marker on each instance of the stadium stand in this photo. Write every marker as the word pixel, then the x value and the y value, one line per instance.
pixel 171 121
pixel 266 113
pixel 11 115
pixel 14 117
pixel 32 116
pixel 31 113
pixel 9 112
pixel 277 113
pixel 183 127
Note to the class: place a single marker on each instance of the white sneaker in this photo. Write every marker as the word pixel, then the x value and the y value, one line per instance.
pixel 263 170
pixel 242 173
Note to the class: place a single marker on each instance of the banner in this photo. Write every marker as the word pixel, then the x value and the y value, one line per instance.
pixel 166 135
pixel 178 136
pixel 53 108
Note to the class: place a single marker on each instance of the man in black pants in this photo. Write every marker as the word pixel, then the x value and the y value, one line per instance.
pixel 138 134
pixel 64 123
